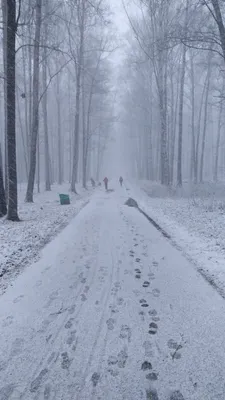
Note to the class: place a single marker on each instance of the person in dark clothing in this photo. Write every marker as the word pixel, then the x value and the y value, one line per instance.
pixel 105 180
pixel 121 181
pixel 92 182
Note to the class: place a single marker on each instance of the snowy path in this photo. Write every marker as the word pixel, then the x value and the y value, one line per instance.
pixel 111 312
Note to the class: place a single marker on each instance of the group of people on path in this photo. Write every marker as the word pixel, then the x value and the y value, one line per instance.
pixel 105 180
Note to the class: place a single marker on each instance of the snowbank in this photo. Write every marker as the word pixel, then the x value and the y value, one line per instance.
pixel 194 217
pixel 20 243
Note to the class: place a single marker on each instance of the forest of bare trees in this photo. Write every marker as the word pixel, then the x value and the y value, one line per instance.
pixel 56 110
pixel 174 98
pixel 57 95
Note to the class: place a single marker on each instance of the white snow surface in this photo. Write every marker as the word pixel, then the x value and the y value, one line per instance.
pixel 20 243
pixel 111 311
pixel 194 217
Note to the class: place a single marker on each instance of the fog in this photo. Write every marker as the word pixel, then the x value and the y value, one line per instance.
pixel 133 88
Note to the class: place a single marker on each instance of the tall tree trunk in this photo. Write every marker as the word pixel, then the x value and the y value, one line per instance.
pixel 163 144
pixel 11 110
pixel 38 163
pixel 205 119
pixel 60 147
pixel 4 14
pixel 84 161
pixel 199 132
pixel 26 99
pixel 22 134
pixel 193 154
pixel 35 108
pixel 45 117
pixel 180 131
pixel 3 207
pixel 215 172
pixel 77 110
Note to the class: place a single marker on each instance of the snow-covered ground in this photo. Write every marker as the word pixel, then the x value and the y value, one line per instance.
pixel 111 311
pixel 20 243
pixel 195 218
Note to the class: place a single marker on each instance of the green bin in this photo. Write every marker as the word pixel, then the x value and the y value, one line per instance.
pixel 64 199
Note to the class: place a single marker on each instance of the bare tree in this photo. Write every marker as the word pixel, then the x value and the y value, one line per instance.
pixel 35 107
pixel 3 207
pixel 12 22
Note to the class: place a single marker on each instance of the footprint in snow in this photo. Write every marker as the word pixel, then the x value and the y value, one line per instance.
pixel 71 339
pixel 8 321
pixel 143 303
pixel 155 263
pixel 146 284
pixel 83 297
pixel 137 260
pixel 112 360
pixel 17 299
pixel 153 312
pixel 148 348
pixel 155 319
pixel 125 332
pixel 66 362
pixel 122 358
pixel 137 270
pixel 69 323
pixel 173 345
pixel 113 308
pixel 152 376
pixel 177 395
pixel 120 301
pixel 153 328
pixel 110 323
pixel 151 276
pixel 95 378
pixel 86 289
pixel 156 292
pixel 151 394
pixel 146 365
pixel 71 309
pixel 138 276
pixel 142 314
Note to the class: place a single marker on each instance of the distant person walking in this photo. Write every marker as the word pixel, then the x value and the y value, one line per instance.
pixel 121 181
pixel 105 180
pixel 92 182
